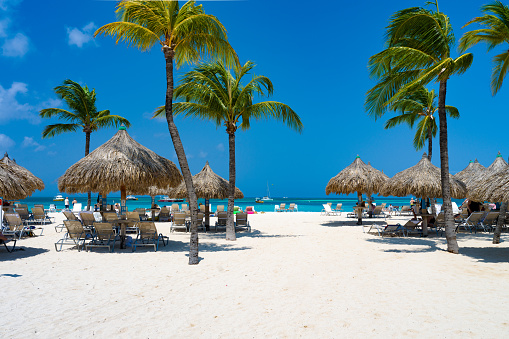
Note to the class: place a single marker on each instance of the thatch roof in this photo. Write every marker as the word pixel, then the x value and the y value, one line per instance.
pixel 490 184
pixel 23 173
pixel 422 180
pixel 207 184
pixel 470 172
pixel 120 162
pixel 12 185
pixel 357 177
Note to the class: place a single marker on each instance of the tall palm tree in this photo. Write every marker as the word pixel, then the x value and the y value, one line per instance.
pixel 419 51
pixel 211 92
pixel 420 106
pixel 83 115
pixel 495 31
pixel 185 34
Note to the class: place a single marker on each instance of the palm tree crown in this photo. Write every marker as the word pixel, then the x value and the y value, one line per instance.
pixel 187 31
pixel 419 106
pixel 495 31
pixel 82 114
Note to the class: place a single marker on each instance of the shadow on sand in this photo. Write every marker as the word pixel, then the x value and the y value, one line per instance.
pixel 20 252
pixel 353 222
pixel 429 245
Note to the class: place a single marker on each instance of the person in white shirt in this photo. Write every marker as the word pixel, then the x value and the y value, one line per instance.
pixel 66 203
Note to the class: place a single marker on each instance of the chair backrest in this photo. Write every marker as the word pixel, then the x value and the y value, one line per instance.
pixel 474 218
pixel 327 208
pixel 283 205
pixel 164 212
pixel 405 208
pixel 133 216
pixel 455 209
pixel 383 205
pixel 76 207
pixel 412 223
pixel 69 215
pixel 220 208
pixel 184 207
pixel 39 205
pixel 23 213
pixel 338 206
pixel 13 220
pixel 201 215
pixel 38 213
pixel 378 210
pixel 87 218
pixel 109 216
pixel 147 229
pixel 179 218
pixel 175 208
pixel 22 206
pixel 330 204
pixel 103 230
pixel 221 218
pixel 74 228
pixel 202 208
pixel 491 217
pixel 241 219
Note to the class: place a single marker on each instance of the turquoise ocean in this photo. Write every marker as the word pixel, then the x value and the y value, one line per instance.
pixel 304 204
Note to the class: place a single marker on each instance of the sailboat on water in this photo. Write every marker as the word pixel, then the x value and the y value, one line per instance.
pixel 265 198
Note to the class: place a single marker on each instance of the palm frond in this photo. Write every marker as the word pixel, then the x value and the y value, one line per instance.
pixel 277 111
pixel 55 129
pixel 501 63
pixel 131 34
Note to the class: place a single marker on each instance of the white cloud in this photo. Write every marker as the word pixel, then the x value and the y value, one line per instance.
pixel 11 108
pixel 6 142
pixel 202 154
pixel 15 47
pixel 5 4
pixel 30 142
pixel 3 28
pixel 80 37
pixel 220 147
pixel 52 153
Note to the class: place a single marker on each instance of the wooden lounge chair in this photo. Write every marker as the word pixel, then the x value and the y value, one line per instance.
pixel 412 226
pixel 23 214
pixel 471 222
pixel 221 219
pixel 220 208
pixel 15 226
pixel 338 208
pixel 148 236
pixel 175 208
pixel 241 221
pixel 87 220
pixel 282 208
pixel 378 212
pixel 134 218
pixel 486 224
pixel 75 235
pixel 393 230
pixel 142 213
pixel 104 236
pixel 291 208
pixel 179 221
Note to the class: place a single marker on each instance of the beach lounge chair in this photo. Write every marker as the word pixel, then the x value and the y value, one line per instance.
pixel 471 222
pixel 174 208
pixel 393 229
pixel 164 214
pixel 241 221
pixel 250 210
pixel 75 235
pixel 291 208
pixel 23 214
pixel 202 208
pixel 7 240
pixel 38 215
pixel 412 226
pixel 201 222
pixel 220 208
pixel 179 221
pixel 104 236
pixel 142 213
pixel 87 220
pixel 486 224
pixel 338 208
pixel 406 210
pixel 184 207
pixel 221 219
pixel 282 208
pixel 15 226
pixel 327 210
pixel 76 208
pixel 148 236
pixel 109 216
pixel 134 217
pixel 378 212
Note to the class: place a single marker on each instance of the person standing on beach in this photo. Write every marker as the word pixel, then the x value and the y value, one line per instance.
pixel 66 203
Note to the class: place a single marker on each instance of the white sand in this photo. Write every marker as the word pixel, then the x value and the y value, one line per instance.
pixel 296 275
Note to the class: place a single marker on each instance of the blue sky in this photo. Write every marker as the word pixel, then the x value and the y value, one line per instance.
pixel 315 55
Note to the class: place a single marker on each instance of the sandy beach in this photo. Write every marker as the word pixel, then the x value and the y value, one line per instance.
pixel 295 275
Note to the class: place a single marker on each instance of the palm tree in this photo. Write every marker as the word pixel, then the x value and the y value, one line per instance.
pixel 495 31
pixel 211 92
pixel 82 115
pixel 420 106
pixel 419 51
pixel 185 34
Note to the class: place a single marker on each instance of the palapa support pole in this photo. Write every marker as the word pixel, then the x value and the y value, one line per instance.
pixel 123 197
pixel 152 206
pixel 207 215
pixel 100 201
pixel 105 202
pixel 359 208
pixel 2 211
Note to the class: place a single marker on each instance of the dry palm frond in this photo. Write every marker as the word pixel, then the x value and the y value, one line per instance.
pixel 490 184
pixel 422 180
pixel 357 177
pixel 207 184
pixel 120 162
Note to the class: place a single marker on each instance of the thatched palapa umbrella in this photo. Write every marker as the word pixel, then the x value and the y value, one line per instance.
pixel 208 185
pixel 12 186
pixel 493 185
pixel 471 172
pixel 22 172
pixel 357 177
pixel 120 164
pixel 424 181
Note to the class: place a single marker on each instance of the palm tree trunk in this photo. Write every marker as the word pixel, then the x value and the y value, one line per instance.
pixel 430 150
pixel 452 243
pixel 87 150
pixel 230 227
pixel 181 156
pixel 500 223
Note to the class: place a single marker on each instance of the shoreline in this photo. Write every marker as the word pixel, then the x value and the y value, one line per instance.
pixel 295 275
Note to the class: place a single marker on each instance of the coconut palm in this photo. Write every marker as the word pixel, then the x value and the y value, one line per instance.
pixel 419 51
pixel 495 31
pixel 83 115
pixel 212 92
pixel 185 34
pixel 420 106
